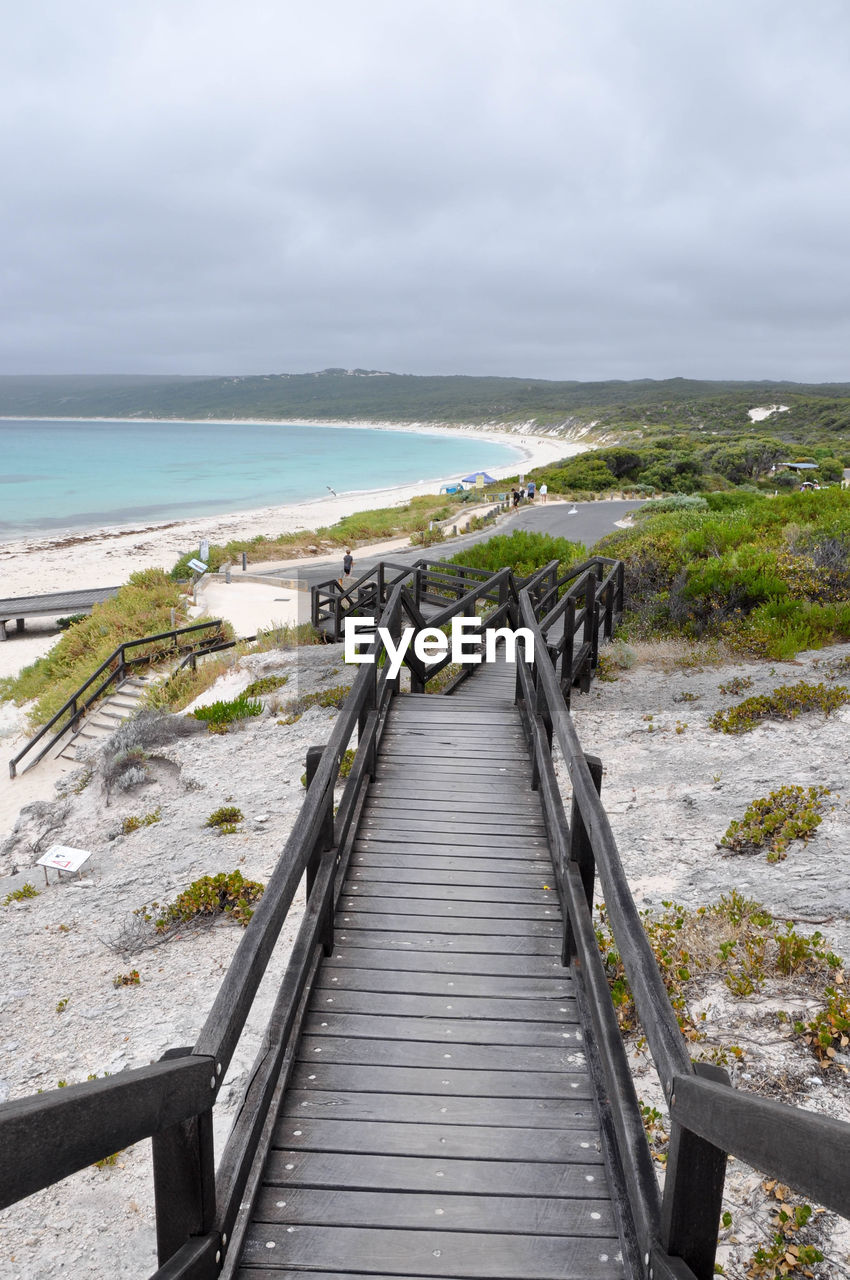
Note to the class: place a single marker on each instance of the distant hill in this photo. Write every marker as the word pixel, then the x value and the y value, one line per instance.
pixel 336 394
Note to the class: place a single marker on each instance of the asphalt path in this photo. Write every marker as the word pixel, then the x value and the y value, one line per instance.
pixel 591 521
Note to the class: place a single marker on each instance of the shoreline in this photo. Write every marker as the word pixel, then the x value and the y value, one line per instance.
pixel 106 555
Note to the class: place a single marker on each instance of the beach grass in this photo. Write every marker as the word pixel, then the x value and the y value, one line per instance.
pixel 141 607
pixel 374 525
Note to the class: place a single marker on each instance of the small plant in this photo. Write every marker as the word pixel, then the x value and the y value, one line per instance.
pixel 133 823
pixel 656 1132
pixel 60 1008
pixel 790 813
pixel 218 715
pixel 227 893
pixel 130 979
pixel 107 1161
pixel 736 686
pixel 828 1031
pixel 333 697
pixel 785 703
pixel 26 890
pixel 681 726
pixel 786 1253
pixel 686 696
pixel 226 819
pixel 266 684
pixel 346 763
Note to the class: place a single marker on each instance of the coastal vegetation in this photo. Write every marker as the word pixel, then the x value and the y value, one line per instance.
pixel 768 575
pixel 142 607
pixel 363 526
pixel 522 551
pixel 607 408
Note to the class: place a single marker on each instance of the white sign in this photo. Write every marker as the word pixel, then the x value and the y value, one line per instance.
pixel 205 551
pixel 198 566
pixel 63 858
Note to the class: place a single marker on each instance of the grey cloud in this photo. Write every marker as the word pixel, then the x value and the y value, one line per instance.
pixel 507 186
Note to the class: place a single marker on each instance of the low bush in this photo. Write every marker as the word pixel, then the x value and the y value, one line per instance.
pixel 225 818
pixel 218 715
pixel 266 684
pixel 26 890
pixel 134 823
pixel 784 703
pixel 333 697
pixel 204 901
pixel 142 607
pixel 790 813
pixel 522 551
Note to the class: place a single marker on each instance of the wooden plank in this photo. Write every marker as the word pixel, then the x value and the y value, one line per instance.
pixel 396 890
pixel 480 985
pixel 472 943
pixel 448 1139
pixel 362 1169
pixel 460 1255
pixel 503 863
pixel 567 1059
pixel 405 1210
pixel 384 879
pixel 448 924
pixel 384 796
pixel 546 1114
pixel 394 824
pixel 444 1031
pixel 439 962
pixel 534 845
pixel 461 909
pixel 446 1080
pixel 400 1004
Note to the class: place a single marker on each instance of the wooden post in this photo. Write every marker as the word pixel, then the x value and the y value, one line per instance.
pixel 590 631
pixel 621 588
pixel 184 1177
pixel 693 1191
pixel 581 853
pixel 568 650
pixel 609 610
pixel 244 561
pixel 324 842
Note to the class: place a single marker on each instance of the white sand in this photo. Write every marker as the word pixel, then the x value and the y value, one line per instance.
pixel 107 556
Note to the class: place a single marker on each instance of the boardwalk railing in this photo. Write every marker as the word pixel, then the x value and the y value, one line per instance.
pixel 675 1236
pixel 201 1210
pixel 113 669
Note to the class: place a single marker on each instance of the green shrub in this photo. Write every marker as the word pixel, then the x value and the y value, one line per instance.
pixel 266 684
pixel 26 890
pixel 333 697
pixel 227 893
pixel 225 818
pixel 142 607
pixel 827 1032
pixel 785 703
pixel 133 823
pixel 218 715
pixel 522 551
pixel 790 813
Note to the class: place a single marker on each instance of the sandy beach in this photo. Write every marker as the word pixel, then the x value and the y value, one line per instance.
pixel 107 556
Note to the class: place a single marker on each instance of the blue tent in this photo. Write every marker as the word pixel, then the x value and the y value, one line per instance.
pixel 474 477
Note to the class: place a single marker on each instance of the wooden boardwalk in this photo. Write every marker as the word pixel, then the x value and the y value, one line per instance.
pixel 440 1120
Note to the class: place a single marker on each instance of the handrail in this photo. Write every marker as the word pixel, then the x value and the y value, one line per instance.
pixel 72 703
pixel 677 1234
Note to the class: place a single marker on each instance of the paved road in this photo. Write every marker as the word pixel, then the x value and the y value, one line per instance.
pixel 591 522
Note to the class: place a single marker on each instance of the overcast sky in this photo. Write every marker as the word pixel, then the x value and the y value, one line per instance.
pixel 548 188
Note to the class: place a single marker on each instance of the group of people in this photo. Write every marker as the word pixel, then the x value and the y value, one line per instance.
pixel 529 492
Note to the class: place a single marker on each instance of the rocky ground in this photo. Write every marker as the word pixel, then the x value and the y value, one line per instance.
pixel 672 785
pixel 61 1017
pixel 670 796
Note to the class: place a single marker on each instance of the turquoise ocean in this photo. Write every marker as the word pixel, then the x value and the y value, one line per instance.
pixel 82 475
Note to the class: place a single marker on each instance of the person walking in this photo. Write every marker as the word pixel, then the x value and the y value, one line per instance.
pixel 531 487
pixel 347 566
pixel 544 490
